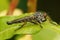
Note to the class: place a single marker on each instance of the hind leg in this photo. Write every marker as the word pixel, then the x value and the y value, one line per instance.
pixel 22 25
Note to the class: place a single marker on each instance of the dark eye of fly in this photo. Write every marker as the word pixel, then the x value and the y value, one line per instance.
pixel 34 18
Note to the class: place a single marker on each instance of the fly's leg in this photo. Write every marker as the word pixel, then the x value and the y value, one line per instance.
pixel 39 21
pixel 41 26
pixel 22 26
pixel 32 21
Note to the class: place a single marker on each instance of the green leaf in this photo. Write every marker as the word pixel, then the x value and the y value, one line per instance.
pixel 8 33
pixel 29 28
pixel 4 4
pixel 46 34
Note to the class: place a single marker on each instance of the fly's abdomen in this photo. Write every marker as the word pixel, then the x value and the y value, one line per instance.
pixel 15 21
pixel 25 19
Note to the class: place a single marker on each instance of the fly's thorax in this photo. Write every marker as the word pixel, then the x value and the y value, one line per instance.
pixel 41 16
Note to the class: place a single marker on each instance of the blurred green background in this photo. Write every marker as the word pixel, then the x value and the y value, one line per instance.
pixel 4 4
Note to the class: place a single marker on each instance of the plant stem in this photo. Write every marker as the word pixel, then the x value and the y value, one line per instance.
pixel 12 6
pixel 31 5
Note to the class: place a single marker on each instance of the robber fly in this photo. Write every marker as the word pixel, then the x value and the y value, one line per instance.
pixel 36 18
